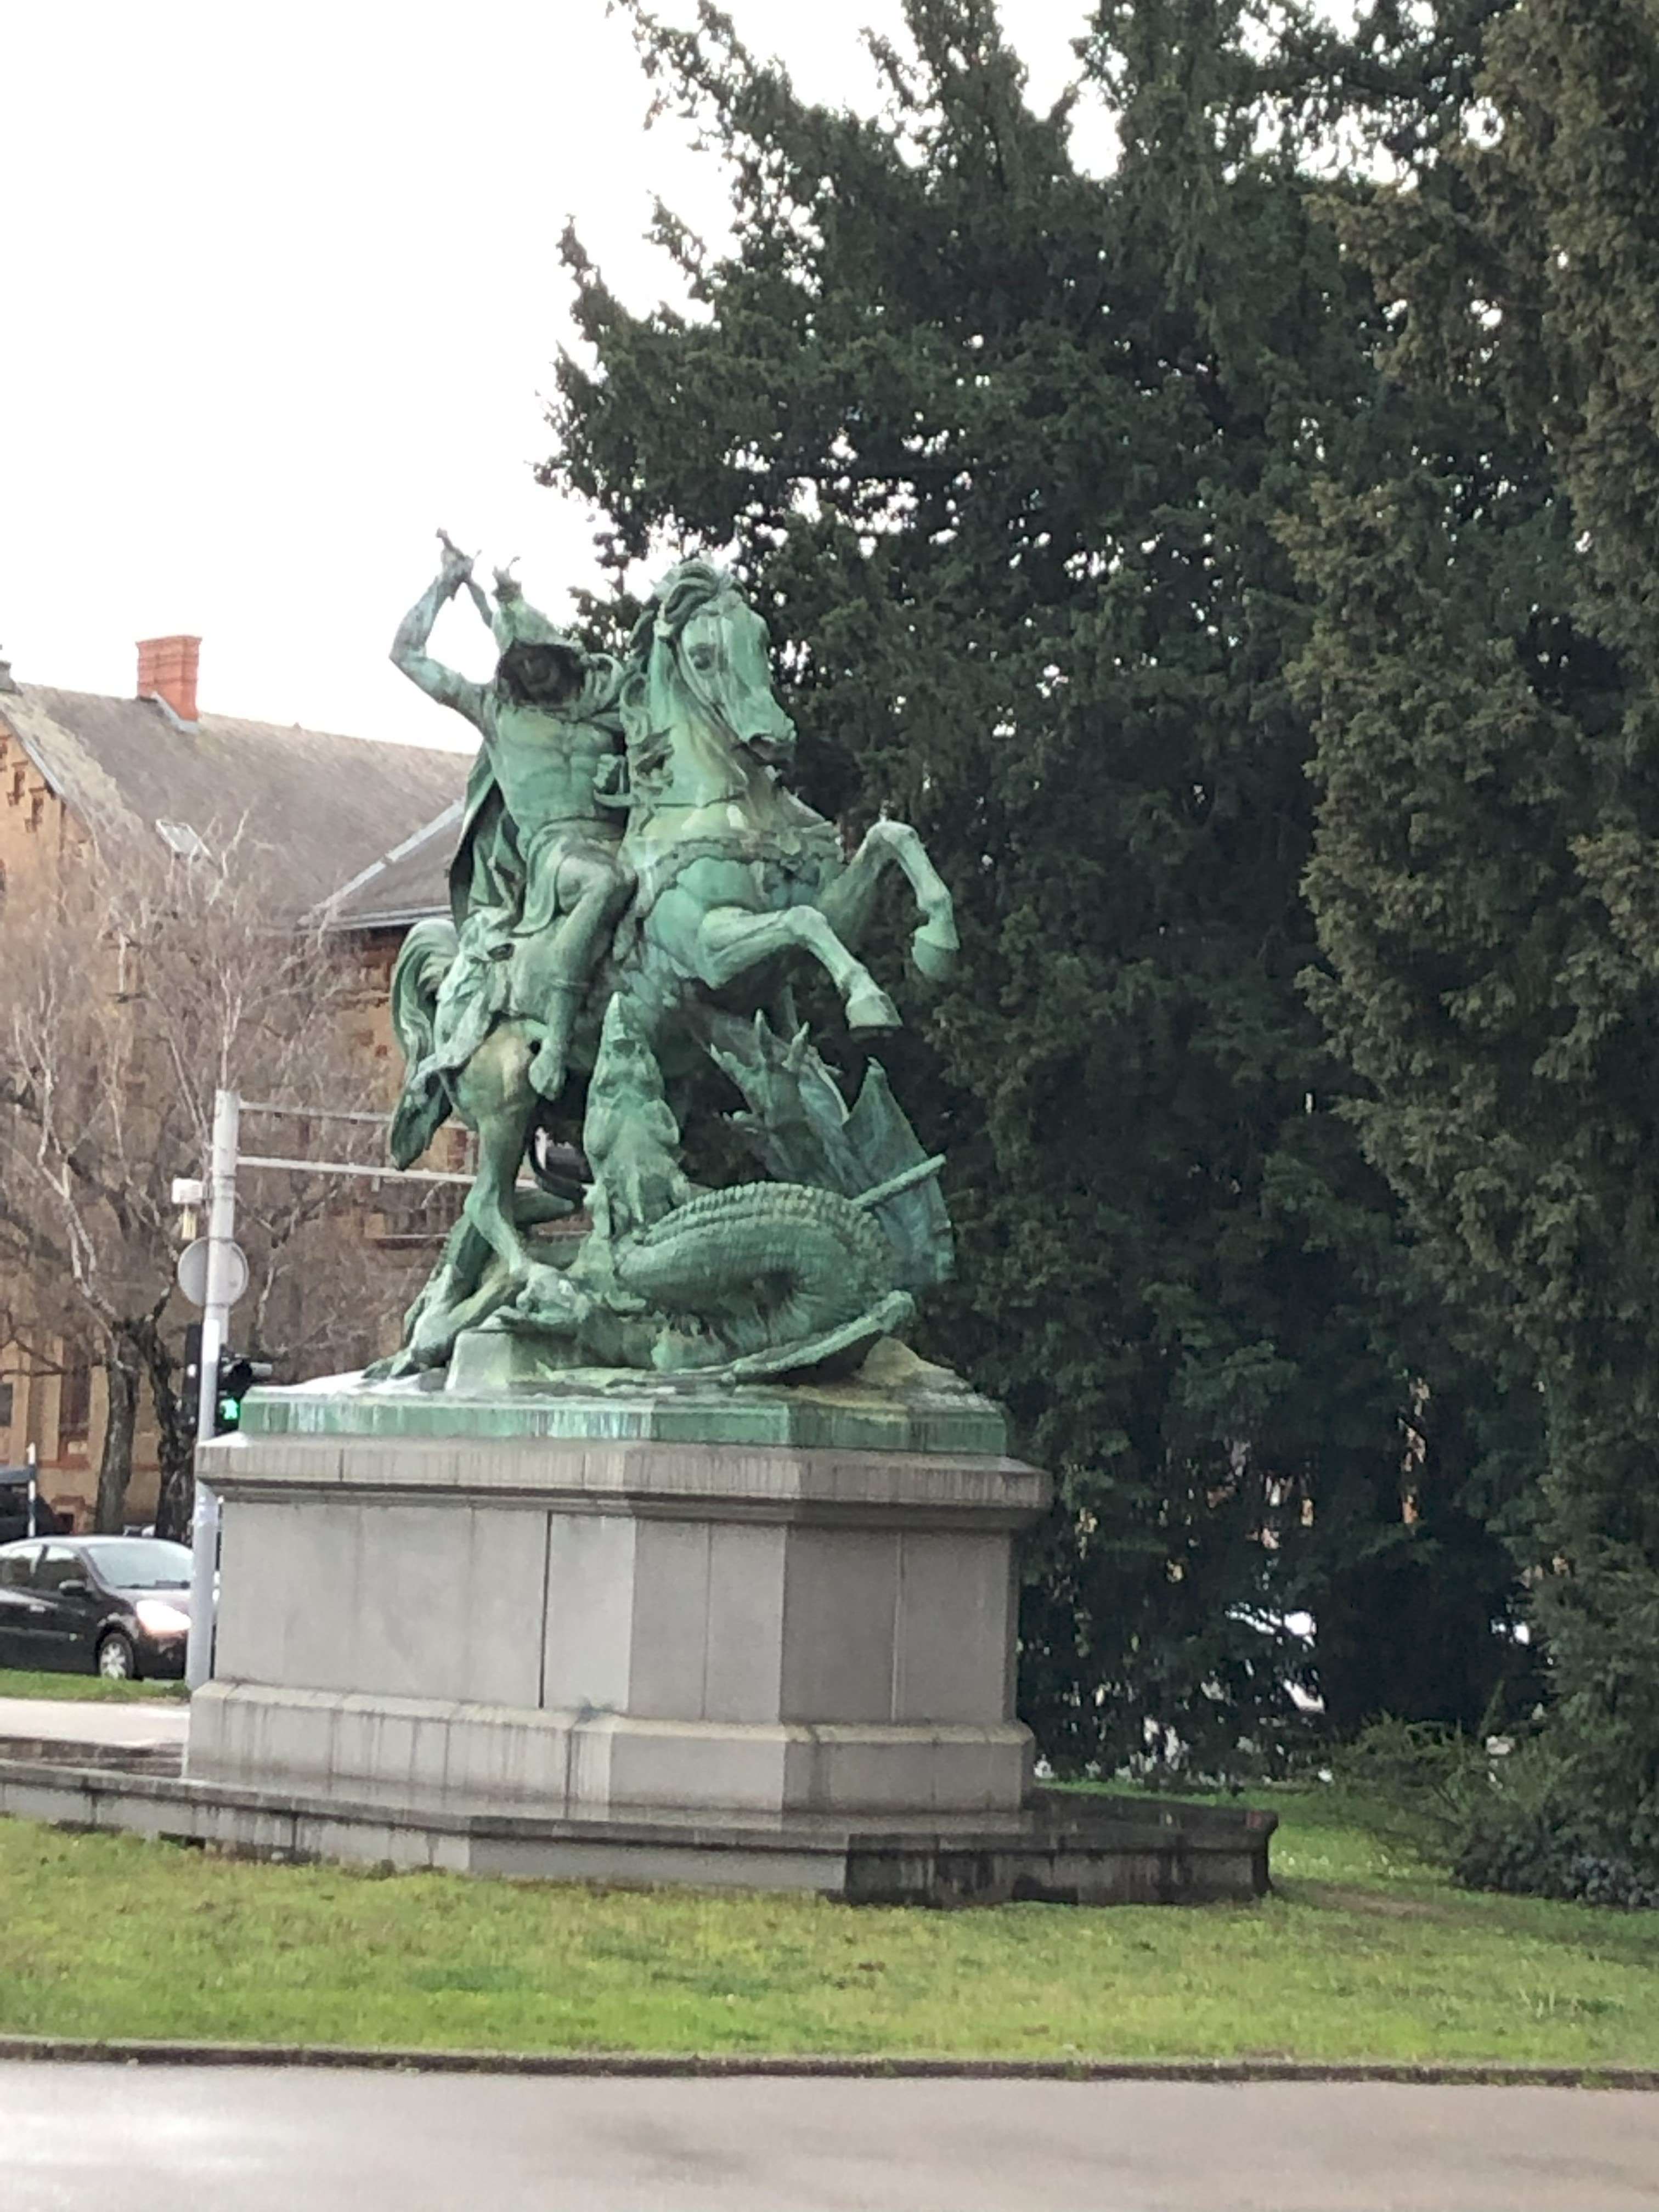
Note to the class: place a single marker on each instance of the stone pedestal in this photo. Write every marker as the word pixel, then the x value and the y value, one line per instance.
pixel 604 1598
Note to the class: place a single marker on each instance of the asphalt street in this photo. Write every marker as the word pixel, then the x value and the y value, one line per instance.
pixel 79 2138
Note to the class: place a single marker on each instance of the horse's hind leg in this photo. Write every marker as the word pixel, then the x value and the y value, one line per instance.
pixel 455 1297
pixel 494 1094
pixel 500 1102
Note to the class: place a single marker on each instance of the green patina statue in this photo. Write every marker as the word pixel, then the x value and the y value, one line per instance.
pixel 537 880
pixel 634 882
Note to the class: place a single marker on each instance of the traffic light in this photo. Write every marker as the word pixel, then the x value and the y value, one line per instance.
pixel 237 1376
pixel 192 1362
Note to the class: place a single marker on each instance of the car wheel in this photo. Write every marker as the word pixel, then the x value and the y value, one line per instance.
pixel 116 1659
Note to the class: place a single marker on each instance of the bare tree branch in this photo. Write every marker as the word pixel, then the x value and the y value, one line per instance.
pixel 144 985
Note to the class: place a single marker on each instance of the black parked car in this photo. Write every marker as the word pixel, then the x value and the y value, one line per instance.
pixel 107 1605
pixel 15 1508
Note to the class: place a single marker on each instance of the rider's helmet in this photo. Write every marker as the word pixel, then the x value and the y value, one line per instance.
pixel 537 660
pixel 516 622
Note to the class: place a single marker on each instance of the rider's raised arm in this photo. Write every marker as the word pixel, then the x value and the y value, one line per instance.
pixel 480 602
pixel 408 646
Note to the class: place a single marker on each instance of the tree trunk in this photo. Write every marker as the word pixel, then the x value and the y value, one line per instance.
pixel 177 1501
pixel 121 1373
pixel 175 1426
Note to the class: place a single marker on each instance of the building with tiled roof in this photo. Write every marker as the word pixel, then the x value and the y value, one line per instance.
pixel 336 808
pixel 365 830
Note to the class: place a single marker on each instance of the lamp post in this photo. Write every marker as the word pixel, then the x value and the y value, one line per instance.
pixel 215 1314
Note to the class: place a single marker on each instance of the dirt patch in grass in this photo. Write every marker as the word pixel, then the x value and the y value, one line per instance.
pixel 1335 1896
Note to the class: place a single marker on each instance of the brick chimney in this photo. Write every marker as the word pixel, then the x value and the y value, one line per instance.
pixel 166 671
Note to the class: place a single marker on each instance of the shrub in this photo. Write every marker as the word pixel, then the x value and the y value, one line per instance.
pixel 1415 1781
pixel 1548 1848
pixel 1509 1821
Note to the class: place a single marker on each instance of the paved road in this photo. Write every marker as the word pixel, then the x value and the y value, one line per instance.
pixel 68 1720
pixel 82 2138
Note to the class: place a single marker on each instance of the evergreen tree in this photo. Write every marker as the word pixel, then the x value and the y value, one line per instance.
pixel 1484 664
pixel 1004 450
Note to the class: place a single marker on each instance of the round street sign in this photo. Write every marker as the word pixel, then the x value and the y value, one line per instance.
pixel 192 1272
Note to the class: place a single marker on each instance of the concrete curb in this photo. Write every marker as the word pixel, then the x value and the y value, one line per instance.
pixel 714 2065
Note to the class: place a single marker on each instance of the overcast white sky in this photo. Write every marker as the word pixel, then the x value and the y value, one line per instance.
pixel 280 294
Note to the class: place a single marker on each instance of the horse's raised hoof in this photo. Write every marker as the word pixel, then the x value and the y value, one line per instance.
pixel 933 949
pixel 869 1008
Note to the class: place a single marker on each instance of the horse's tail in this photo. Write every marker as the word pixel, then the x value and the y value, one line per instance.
pixel 426 954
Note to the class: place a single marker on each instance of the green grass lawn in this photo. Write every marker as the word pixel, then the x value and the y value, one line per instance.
pixel 29 1682
pixel 1362 1953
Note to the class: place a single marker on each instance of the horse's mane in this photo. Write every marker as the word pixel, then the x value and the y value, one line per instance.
pixel 685 590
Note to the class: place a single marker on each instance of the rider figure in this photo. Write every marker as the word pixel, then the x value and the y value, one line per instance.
pixel 537 879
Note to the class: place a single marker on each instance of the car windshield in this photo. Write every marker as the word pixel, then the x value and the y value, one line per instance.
pixel 140 1562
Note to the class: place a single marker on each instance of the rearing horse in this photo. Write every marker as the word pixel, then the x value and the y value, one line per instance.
pixel 737 879
pixel 736 875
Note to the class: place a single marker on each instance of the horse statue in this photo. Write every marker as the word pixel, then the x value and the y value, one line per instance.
pixel 736 876
pixel 734 884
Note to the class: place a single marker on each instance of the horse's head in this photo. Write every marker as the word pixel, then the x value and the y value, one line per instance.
pixel 719 648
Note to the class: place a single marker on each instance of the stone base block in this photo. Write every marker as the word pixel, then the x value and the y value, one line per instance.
pixel 522 1617
pixel 508 1758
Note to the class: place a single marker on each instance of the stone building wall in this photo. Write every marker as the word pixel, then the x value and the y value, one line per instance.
pixel 52 1393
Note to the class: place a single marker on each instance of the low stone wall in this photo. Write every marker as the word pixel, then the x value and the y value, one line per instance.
pixel 1062 1848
